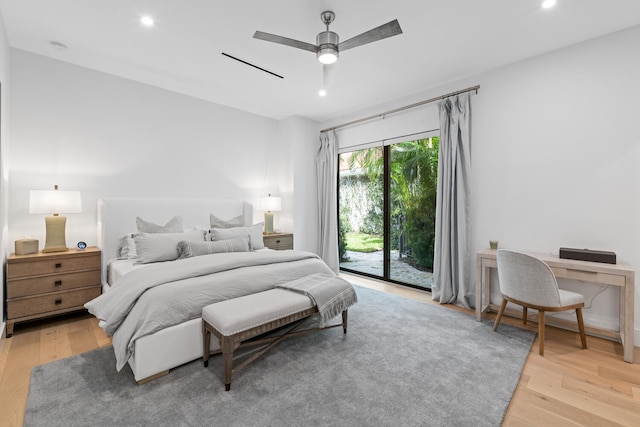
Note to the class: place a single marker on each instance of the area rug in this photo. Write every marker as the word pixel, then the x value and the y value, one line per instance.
pixel 402 362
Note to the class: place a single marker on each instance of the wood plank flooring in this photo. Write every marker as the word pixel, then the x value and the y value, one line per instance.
pixel 36 343
pixel 567 387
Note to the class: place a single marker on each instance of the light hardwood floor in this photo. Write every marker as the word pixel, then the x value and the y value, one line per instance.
pixel 567 387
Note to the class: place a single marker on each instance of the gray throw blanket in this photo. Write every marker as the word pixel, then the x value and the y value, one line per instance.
pixel 331 294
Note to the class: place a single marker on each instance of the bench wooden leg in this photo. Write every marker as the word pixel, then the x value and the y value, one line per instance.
pixel 227 361
pixel 206 343
pixel 344 322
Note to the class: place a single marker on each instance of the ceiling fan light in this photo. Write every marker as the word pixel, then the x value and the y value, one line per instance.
pixel 327 55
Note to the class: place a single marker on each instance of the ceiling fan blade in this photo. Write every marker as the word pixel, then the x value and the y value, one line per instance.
pixel 382 32
pixel 285 41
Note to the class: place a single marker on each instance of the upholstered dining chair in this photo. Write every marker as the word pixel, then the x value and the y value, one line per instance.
pixel 528 281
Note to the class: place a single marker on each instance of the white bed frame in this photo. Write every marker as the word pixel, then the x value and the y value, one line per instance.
pixel 155 354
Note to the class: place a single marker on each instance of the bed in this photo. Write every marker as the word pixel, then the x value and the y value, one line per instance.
pixel 160 285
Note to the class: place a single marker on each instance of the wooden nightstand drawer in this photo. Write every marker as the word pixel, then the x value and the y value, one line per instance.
pixel 53 283
pixel 43 304
pixel 279 241
pixel 28 266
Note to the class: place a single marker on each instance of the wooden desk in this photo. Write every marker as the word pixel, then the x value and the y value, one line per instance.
pixel 594 272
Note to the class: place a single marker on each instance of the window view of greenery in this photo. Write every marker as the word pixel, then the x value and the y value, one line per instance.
pixel 412 185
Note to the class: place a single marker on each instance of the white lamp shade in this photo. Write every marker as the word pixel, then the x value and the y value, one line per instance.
pixel 54 201
pixel 271 204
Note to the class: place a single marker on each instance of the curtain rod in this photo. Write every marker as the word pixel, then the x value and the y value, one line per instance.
pixel 406 107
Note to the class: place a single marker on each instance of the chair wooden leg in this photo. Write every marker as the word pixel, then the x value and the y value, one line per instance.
pixel 583 337
pixel 500 313
pixel 524 315
pixel 541 331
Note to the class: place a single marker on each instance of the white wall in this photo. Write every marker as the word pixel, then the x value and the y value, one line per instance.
pixel 304 138
pixel 4 170
pixel 556 149
pixel 107 136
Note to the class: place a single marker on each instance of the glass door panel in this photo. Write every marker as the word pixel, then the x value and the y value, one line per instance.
pixel 361 211
pixel 413 174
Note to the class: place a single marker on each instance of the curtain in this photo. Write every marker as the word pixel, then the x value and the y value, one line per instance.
pixel 451 265
pixel 327 174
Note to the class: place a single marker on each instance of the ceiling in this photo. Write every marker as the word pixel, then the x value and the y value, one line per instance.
pixel 442 41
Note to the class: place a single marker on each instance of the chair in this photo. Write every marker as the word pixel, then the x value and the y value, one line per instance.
pixel 528 281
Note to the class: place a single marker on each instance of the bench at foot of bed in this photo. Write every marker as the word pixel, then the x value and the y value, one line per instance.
pixel 236 320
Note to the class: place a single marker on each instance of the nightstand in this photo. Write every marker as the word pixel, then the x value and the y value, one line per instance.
pixel 278 241
pixel 44 285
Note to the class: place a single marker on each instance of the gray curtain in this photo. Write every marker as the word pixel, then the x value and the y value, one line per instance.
pixel 327 174
pixel 451 268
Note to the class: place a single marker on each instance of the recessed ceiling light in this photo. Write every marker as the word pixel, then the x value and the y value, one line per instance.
pixel 147 21
pixel 548 4
pixel 322 92
pixel 58 46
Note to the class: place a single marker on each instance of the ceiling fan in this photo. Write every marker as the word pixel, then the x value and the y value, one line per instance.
pixel 327 44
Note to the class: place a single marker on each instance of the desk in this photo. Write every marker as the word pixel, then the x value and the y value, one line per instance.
pixel 594 272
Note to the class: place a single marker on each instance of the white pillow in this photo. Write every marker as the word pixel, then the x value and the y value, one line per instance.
pixel 173 226
pixel 216 222
pixel 156 247
pixel 253 231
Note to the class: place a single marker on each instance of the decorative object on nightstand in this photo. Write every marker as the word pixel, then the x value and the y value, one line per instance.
pixel 26 246
pixel 278 241
pixel 55 202
pixel 269 205
pixel 48 284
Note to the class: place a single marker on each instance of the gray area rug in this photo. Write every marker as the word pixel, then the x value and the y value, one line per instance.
pixel 402 362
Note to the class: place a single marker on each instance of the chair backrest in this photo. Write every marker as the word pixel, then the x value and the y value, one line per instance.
pixel 526 278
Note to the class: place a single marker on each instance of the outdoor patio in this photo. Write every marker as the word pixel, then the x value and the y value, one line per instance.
pixel 371 263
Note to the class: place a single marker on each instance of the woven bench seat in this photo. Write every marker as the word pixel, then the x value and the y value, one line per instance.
pixel 239 319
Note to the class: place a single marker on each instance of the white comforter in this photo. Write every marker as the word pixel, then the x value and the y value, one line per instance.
pixel 164 294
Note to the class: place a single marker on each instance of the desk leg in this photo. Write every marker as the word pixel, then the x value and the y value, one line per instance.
pixel 486 279
pixel 478 289
pixel 483 288
pixel 626 318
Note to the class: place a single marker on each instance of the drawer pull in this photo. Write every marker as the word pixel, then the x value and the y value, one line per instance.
pixel 57 283
pixel 581 271
pixel 277 241
pixel 58 301
pixel 58 265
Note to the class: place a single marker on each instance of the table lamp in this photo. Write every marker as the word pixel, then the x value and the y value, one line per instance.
pixel 270 205
pixel 55 202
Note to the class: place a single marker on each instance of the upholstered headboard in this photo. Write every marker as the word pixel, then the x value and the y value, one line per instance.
pixel 117 217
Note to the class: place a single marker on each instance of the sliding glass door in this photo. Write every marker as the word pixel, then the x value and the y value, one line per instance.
pixel 361 211
pixel 387 198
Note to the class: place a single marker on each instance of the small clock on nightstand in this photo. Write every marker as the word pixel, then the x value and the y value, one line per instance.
pixel 278 241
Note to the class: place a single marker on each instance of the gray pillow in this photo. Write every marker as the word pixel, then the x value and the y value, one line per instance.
pixel 127 248
pixel 216 222
pixel 253 231
pixel 173 226
pixel 188 249
pixel 156 247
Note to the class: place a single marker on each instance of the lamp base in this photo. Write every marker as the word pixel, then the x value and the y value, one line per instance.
pixel 55 241
pixel 268 223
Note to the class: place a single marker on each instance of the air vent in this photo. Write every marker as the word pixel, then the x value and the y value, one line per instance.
pixel 252 65
pixel 58 46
